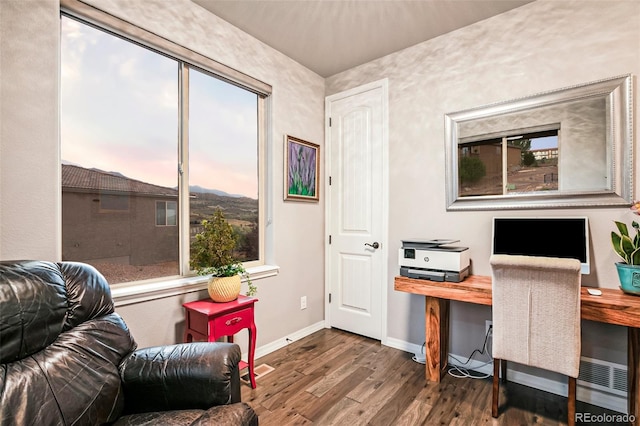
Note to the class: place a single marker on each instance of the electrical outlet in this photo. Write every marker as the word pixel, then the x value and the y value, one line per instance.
pixel 303 302
pixel 487 325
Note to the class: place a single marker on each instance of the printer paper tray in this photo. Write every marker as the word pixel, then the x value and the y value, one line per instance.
pixel 433 275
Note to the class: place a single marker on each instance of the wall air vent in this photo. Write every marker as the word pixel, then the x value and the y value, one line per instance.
pixel 603 376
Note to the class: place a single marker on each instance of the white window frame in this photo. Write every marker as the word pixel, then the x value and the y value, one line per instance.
pixel 135 292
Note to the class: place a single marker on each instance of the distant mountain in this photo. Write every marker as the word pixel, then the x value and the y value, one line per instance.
pixel 236 208
pixel 117 174
pixel 201 190
pixel 192 188
pixel 95 169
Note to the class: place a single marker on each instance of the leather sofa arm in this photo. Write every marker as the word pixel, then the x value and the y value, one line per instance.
pixel 181 376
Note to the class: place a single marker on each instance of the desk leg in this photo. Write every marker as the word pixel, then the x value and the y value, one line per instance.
pixel 252 352
pixel 437 337
pixel 633 367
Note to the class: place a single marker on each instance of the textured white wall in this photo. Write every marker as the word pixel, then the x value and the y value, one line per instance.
pixel 542 46
pixel 29 130
pixel 29 197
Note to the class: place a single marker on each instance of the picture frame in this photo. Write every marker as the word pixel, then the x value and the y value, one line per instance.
pixel 301 170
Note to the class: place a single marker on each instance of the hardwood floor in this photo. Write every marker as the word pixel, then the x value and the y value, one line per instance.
pixel 337 378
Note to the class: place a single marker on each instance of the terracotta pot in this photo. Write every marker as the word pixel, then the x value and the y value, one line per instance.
pixel 629 276
pixel 224 289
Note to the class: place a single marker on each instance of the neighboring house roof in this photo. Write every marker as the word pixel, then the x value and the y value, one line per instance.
pixel 92 180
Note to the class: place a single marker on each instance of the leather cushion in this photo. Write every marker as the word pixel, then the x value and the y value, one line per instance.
pixel 34 305
pixel 41 299
pixel 232 414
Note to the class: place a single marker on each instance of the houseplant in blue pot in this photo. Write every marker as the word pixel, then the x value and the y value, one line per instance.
pixel 627 246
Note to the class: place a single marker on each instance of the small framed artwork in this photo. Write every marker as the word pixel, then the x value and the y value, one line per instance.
pixel 301 170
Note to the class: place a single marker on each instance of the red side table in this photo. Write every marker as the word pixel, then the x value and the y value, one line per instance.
pixel 208 321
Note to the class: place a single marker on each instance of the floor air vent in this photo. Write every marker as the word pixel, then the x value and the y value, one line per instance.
pixel 603 375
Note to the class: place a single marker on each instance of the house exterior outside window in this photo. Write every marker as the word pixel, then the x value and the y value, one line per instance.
pixel 115 237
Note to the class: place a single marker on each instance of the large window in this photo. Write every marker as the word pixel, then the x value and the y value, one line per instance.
pixel 151 145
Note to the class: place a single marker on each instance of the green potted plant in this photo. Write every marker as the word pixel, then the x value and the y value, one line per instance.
pixel 627 246
pixel 212 253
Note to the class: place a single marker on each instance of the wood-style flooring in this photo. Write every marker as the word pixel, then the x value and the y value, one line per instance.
pixel 337 378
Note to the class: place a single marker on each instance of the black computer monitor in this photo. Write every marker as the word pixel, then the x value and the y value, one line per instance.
pixel 543 236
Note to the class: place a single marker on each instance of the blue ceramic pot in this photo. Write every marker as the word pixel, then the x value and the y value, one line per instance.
pixel 629 276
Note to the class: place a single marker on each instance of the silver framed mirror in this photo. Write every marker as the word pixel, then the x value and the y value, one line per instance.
pixel 571 147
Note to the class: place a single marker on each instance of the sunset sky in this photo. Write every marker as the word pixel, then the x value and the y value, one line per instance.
pixel 119 112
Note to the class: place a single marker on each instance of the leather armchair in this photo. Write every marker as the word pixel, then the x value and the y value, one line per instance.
pixel 67 358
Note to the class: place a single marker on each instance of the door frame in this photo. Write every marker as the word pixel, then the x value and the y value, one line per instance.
pixel 384 243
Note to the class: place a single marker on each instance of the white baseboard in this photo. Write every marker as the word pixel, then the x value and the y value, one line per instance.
pixel 403 346
pixel 281 343
pixel 590 396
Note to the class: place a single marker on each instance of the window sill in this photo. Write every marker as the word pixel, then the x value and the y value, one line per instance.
pixel 144 291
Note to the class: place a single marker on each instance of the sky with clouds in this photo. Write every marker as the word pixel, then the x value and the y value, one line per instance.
pixel 119 112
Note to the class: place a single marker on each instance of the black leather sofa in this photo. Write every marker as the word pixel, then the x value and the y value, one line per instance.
pixel 66 358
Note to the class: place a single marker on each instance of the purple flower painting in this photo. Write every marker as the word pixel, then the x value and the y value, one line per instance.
pixel 302 170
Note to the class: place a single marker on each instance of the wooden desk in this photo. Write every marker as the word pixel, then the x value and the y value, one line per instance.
pixel 208 321
pixel 613 307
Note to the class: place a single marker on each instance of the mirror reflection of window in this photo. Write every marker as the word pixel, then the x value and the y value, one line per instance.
pixel 593 153
pixel 480 168
pixel 537 168
pixel 513 163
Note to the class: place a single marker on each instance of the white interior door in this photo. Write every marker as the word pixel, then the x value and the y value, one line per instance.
pixel 357 206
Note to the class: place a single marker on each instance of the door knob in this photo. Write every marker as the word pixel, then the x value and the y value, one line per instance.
pixel 374 245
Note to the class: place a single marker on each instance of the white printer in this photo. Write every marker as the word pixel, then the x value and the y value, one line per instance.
pixel 433 260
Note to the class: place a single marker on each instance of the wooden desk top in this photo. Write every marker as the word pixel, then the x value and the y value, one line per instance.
pixel 612 307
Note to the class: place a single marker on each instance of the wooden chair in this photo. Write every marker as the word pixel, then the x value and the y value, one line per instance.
pixel 536 318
